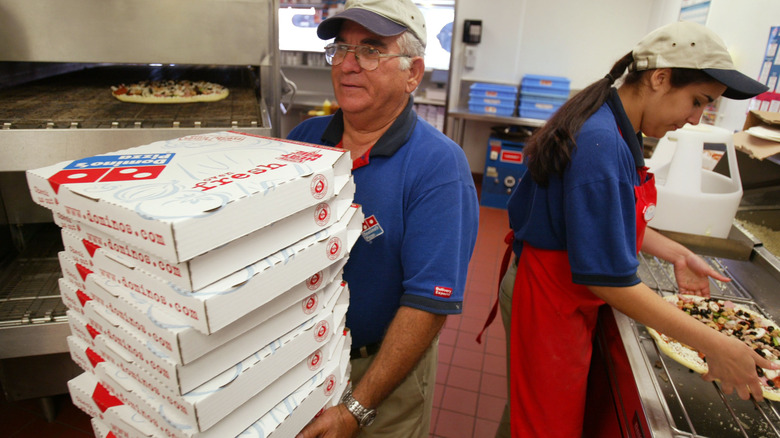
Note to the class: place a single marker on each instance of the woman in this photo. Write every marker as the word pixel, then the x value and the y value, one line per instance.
pixel 579 218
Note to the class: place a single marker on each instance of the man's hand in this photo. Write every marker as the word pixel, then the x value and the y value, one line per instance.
pixel 410 334
pixel 335 422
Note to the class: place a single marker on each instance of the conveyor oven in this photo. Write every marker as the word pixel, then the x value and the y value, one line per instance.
pixel 57 64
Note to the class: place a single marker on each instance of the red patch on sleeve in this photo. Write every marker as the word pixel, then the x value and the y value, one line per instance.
pixel 441 291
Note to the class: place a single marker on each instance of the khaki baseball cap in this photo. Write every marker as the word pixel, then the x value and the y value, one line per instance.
pixel 685 44
pixel 382 17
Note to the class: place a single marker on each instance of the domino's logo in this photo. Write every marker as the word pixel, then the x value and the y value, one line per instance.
pixel 371 229
pixel 111 168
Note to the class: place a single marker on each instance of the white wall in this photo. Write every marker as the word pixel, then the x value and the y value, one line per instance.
pixel 580 40
pixel 744 27
pixel 576 39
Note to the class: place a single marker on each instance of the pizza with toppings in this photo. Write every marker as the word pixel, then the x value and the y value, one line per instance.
pixel 731 319
pixel 170 91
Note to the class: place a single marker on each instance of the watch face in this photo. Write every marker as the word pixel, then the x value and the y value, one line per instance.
pixel 369 418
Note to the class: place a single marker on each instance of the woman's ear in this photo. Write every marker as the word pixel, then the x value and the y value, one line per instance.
pixel 660 78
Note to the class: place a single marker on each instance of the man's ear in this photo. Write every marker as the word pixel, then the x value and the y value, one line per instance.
pixel 416 72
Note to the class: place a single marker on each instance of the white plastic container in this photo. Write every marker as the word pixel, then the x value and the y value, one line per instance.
pixel 692 199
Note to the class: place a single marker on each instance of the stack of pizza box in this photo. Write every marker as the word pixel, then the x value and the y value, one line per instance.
pixel 203 280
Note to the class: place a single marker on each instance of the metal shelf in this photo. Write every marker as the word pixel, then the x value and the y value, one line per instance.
pixel 32 315
pixel 459 117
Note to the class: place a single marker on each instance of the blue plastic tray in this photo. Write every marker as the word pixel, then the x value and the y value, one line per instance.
pixel 484 89
pixel 538 106
pixel 543 98
pixel 497 110
pixel 535 114
pixel 548 85
pixel 478 99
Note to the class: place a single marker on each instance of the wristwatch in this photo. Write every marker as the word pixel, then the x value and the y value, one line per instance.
pixel 363 415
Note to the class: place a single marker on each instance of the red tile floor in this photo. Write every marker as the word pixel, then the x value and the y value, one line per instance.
pixel 471 381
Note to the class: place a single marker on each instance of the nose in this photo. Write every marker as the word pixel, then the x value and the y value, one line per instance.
pixel 696 116
pixel 350 62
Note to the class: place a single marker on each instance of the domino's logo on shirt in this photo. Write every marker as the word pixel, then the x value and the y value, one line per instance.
pixel 371 229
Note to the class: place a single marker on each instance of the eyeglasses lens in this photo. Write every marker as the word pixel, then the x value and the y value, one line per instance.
pixel 367 57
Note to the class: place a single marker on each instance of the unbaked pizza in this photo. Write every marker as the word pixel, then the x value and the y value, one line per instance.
pixel 170 91
pixel 732 319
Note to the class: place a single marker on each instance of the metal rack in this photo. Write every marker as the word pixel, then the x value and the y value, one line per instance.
pixel 30 297
pixel 231 37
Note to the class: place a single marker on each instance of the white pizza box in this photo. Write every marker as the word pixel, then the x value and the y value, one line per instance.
pixel 284 419
pixel 183 378
pixel 125 353
pixel 202 270
pixel 290 416
pixel 221 303
pixel 168 331
pixel 183 197
pixel 216 404
pixel 88 395
pixel 101 429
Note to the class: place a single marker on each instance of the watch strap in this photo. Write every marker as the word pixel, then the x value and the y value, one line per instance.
pixel 363 415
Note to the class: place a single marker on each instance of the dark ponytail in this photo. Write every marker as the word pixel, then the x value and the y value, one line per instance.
pixel 549 149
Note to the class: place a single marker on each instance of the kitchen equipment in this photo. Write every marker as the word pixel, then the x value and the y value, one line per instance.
pixel 641 392
pixel 692 199
pixel 58 62
pixel 503 166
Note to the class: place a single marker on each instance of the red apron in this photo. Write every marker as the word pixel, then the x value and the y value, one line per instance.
pixel 552 333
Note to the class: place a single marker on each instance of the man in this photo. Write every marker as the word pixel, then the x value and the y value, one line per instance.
pixel 408 270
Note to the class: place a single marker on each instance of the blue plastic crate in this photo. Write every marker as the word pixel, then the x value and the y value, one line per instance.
pixel 547 85
pixel 537 109
pixel 535 105
pixel 478 99
pixel 535 114
pixel 484 89
pixel 542 98
pixel 496 110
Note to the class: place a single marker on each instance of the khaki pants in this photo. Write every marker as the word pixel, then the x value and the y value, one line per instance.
pixel 505 303
pixel 407 411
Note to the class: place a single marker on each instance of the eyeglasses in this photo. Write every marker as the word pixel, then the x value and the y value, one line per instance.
pixel 367 57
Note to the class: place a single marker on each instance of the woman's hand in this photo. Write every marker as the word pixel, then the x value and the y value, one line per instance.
pixel 692 274
pixel 729 360
pixel 734 364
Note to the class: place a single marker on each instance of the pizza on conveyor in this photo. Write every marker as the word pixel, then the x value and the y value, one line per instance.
pixel 732 319
pixel 170 91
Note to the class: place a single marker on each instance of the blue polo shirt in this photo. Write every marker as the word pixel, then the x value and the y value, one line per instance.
pixel 590 211
pixel 421 210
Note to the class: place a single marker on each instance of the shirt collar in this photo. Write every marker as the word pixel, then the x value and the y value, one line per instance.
pixel 634 140
pixel 391 140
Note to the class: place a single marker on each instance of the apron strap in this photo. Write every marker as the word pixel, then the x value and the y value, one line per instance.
pixel 504 267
